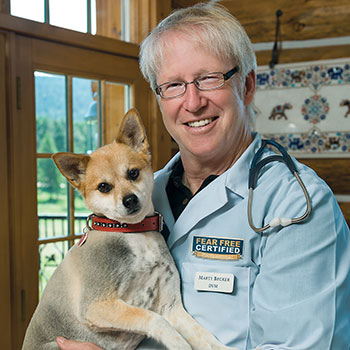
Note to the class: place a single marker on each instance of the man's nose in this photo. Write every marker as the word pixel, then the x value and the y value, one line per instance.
pixel 193 98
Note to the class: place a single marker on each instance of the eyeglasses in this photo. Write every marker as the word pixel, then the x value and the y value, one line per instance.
pixel 210 81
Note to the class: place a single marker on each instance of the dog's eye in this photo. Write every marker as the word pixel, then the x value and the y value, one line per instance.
pixel 133 174
pixel 104 187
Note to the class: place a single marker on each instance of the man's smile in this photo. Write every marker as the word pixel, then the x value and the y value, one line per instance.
pixel 201 123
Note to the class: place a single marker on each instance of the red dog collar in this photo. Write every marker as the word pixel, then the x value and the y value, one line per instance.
pixel 149 223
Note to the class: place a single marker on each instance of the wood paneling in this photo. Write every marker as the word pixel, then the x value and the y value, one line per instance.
pixel 301 19
pixel 109 18
pixel 113 107
pixel 144 16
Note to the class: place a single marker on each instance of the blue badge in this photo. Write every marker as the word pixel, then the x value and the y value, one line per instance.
pixel 218 248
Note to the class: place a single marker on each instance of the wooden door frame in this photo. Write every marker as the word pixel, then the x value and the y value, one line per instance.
pixel 5 290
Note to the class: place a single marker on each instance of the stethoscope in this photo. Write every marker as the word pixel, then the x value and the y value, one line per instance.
pixel 254 170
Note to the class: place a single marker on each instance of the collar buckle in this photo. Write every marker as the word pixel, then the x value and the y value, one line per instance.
pixel 160 221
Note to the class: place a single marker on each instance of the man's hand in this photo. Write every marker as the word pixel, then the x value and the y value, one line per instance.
pixel 65 344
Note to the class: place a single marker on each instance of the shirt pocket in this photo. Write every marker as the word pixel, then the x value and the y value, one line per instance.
pixel 226 315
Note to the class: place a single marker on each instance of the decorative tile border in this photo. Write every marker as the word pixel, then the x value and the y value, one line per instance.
pixel 306 107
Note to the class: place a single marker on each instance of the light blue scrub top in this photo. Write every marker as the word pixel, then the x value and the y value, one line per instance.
pixel 291 284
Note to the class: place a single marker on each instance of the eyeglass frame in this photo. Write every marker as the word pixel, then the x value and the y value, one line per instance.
pixel 226 77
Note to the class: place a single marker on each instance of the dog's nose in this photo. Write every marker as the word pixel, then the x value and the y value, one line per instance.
pixel 131 202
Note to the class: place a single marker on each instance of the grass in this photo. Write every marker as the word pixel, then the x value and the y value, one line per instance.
pixel 47 204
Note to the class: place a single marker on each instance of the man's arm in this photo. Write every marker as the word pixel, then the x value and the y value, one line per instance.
pixel 65 344
pixel 300 294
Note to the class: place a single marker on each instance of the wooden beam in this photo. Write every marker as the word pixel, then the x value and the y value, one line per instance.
pixel 301 20
pixel 60 35
pixel 305 54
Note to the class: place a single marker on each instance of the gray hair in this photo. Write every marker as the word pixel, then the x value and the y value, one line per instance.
pixel 219 32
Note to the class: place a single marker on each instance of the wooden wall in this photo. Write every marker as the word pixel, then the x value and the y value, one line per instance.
pixel 302 21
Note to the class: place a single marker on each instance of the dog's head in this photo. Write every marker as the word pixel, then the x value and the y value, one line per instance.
pixel 116 180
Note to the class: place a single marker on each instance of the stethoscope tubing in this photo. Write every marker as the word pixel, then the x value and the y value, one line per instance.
pixel 253 177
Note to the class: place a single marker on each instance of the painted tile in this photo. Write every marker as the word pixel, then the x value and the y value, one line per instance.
pixel 306 107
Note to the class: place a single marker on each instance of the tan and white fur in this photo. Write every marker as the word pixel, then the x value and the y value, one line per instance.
pixel 117 288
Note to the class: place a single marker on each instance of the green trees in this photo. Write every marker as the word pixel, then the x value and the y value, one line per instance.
pixel 51 138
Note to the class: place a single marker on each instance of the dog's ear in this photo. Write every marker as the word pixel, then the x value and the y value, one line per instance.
pixel 133 133
pixel 72 166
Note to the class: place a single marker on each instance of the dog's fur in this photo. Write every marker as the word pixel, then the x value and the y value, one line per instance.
pixel 117 288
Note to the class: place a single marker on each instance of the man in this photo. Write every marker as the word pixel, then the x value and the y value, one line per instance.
pixel 290 285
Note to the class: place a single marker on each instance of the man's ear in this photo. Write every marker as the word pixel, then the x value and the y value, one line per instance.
pixel 132 132
pixel 72 166
pixel 249 88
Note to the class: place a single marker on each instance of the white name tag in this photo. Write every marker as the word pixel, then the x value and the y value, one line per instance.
pixel 214 282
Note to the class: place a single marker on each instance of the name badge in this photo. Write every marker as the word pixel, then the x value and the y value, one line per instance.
pixel 214 282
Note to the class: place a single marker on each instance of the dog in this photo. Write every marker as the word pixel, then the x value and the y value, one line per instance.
pixel 116 286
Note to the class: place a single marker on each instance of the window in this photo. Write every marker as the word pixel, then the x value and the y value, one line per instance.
pixel 69 118
pixel 79 15
pixel 34 10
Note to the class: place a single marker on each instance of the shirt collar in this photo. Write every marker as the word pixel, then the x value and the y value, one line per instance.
pixel 237 175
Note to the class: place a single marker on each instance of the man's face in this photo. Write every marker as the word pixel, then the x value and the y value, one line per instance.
pixel 205 124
